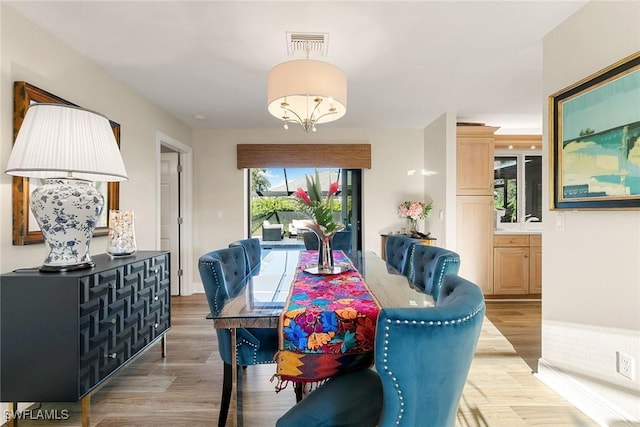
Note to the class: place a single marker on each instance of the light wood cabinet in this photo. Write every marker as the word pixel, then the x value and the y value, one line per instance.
pixel 474 204
pixel 474 154
pixel 535 265
pixel 474 229
pixel 517 264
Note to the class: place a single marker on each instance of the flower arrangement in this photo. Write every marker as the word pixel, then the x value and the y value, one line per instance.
pixel 312 203
pixel 414 210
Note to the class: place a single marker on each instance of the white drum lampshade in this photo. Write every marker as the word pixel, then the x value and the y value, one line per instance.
pixel 307 92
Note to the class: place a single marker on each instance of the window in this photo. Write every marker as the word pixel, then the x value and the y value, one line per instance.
pixel 517 186
pixel 271 191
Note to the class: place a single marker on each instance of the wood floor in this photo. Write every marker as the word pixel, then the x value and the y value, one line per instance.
pixel 184 389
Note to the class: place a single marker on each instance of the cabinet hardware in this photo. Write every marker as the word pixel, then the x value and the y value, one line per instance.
pixel 155 298
pixel 111 285
pixel 155 326
pixel 113 321
pixel 112 355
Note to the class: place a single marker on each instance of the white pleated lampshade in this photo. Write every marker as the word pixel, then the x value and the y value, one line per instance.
pixel 62 141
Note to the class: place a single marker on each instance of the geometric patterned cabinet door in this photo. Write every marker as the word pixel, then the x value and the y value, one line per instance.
pixel 63 334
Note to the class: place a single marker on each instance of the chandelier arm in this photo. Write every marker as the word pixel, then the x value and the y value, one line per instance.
pixel 318 101
pixel 299 120
pixel 325 114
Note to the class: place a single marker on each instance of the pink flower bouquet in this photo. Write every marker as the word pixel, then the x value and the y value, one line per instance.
pixel 414 210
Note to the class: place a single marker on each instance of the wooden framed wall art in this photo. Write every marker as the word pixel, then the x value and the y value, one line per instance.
pixel 595 140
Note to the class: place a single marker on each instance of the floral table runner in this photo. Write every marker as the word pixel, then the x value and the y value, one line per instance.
pixel 328 324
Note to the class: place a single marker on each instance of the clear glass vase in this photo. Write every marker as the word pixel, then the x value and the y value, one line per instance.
pixel 122 238
pixel 325 252
pixel 413 227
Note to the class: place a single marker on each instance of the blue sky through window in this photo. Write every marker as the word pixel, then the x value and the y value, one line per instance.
pixel 295 176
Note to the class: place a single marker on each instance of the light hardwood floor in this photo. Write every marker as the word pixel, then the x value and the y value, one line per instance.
pixel 184 389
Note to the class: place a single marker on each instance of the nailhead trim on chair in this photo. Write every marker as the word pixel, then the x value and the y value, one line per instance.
pixel 243 341
pixel 255 352
pixel 215 300
pixel 420 323
pixel 444 267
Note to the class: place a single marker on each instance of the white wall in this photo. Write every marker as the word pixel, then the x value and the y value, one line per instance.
pixel 219 191
pixel 590 270
pixel 30 54
pixel 440 157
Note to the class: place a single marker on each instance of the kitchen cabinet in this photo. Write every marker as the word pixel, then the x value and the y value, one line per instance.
pixel 474 204
pixel 517 264
pixel 475 244
pixel 474 158
pixel 535 265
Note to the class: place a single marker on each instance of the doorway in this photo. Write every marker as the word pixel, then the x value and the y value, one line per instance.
pixel 174 212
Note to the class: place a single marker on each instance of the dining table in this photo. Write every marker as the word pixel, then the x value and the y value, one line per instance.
pixel 262 300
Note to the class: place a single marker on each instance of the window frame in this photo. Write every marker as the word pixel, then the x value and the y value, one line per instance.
pixel 521 183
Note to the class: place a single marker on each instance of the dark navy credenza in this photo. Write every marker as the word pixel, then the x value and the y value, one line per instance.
pixel 63 334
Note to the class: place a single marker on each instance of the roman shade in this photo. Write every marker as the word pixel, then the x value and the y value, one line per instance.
pixel 347 156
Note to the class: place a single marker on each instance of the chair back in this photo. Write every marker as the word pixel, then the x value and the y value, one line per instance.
pixel 342 241
pixel 422 358
pixel 223 272
pixel 398 251
pixel 311 241
pixel 429 264
pixel 252 253
pixel 423 355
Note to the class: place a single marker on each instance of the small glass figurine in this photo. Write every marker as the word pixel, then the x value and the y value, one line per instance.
pixel 122 238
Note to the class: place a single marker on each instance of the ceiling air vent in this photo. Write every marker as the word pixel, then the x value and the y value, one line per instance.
pixel 303 43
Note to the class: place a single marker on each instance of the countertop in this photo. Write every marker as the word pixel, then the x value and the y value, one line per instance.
pixel 516 231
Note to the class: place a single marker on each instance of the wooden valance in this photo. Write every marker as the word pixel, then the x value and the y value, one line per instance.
pixel 347 156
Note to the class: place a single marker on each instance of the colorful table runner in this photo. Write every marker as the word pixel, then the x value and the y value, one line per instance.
pixel 328 324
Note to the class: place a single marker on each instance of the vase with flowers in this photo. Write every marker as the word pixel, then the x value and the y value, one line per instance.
pixel 414 211
pixel 322 223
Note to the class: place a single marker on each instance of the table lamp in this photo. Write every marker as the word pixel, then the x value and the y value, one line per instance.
pixel 68 148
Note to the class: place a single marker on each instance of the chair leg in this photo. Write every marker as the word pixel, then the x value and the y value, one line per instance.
pixel 226 396
pixel 298 388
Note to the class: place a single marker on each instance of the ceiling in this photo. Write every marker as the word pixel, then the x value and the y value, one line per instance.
pixel 406 62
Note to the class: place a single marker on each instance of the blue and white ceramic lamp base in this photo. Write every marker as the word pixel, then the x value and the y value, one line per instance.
pixel 67 211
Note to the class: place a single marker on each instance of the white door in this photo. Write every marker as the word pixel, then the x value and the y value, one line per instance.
pixel 170 213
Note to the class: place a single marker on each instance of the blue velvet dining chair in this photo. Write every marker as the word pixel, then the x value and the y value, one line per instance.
pixel 223 273
pixel 310 240
pixel 252 252
pixel 398 251
pixel 422 360
pixel 429 264
pixel 341 242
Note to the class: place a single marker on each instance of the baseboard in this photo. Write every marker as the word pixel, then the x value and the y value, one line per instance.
pixel 582 398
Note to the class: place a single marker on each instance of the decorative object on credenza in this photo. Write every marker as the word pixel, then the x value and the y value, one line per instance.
pixel 595 140
pixel 69 148
pixel 414 211
pixel 323 225
pixel 122 237
pixel 305 91
pixel 25 229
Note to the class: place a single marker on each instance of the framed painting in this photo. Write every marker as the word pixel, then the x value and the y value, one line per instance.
pixel 595 140
pixel 25 227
